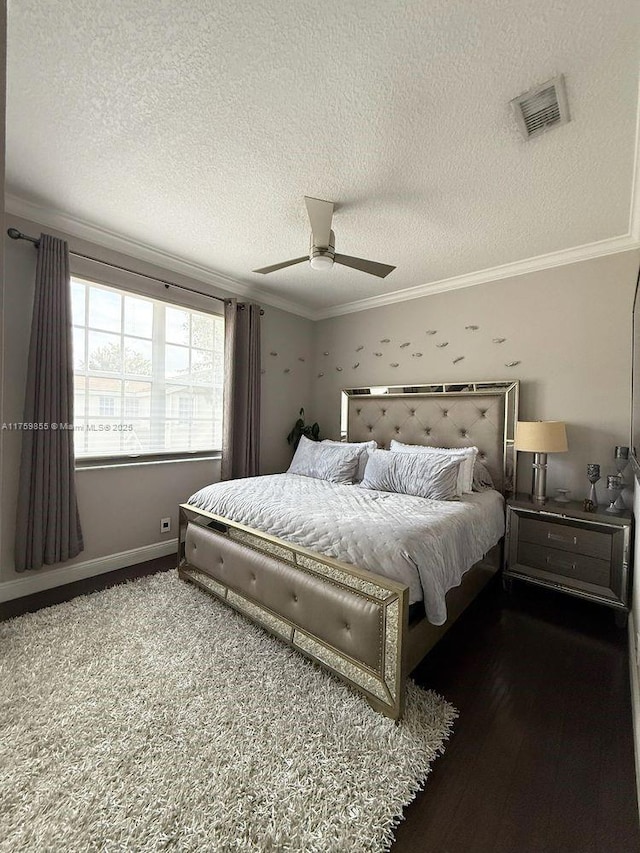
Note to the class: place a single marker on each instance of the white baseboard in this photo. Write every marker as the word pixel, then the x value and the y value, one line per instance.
pixel 634 675
pixel 29 583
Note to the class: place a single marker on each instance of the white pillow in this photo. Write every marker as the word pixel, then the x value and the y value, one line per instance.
pixel 362 448
pixel 421 474
pixel 465 455
pixel 324 462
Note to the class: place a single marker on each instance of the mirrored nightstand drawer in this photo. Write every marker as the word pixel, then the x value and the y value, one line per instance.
pixel 568 565
pixel 566 537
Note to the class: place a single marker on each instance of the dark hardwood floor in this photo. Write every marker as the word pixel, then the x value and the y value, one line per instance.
pixel 542 755
pixel 541 759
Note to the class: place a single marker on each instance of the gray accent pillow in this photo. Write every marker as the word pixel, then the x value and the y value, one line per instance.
pixel 482 479
pixel 362 448
pixel 426 475
pixel 333 462
pixel 466 456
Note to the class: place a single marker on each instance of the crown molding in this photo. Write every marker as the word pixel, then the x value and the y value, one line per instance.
pixel 110 240
pixel 611 246
pixel 107 239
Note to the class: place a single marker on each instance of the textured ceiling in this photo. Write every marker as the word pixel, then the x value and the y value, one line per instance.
pixel 197 128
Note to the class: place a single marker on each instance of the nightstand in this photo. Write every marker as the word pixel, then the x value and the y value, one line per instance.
pixel 559 545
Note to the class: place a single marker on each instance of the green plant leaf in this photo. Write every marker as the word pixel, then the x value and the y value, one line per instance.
pixel 311 431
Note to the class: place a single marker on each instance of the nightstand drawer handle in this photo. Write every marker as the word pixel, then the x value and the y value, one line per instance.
pixel 558 564
pixel 555 538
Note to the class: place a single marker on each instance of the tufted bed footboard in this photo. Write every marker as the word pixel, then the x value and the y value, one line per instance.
pixel 350 621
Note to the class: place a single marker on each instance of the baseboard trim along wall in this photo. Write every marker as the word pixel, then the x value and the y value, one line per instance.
pixel 29 583
pixel 634 676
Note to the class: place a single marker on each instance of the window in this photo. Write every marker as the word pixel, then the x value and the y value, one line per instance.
pixel 185 409
pixel 107 407
pixel 131 407
pixel 148 375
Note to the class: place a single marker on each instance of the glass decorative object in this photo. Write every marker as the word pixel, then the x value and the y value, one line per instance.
pixel 621 458
pixel 562 496
pixel 621 455
pixel 614 488
pixel 593 475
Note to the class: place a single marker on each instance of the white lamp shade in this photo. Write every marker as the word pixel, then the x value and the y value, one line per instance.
pixel 541 436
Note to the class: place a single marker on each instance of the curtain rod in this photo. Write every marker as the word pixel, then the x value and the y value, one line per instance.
pixel 18 235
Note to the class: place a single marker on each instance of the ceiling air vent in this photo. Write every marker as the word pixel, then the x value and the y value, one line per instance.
pixel 542 108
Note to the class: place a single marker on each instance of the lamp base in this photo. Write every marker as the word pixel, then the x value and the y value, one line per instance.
pixel 539 480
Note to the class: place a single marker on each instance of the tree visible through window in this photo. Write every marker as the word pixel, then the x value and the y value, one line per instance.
pixel 148 375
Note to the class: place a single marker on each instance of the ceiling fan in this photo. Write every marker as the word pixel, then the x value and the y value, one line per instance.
pixel 322 253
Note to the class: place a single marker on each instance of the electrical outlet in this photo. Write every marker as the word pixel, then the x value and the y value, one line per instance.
pixel 165 525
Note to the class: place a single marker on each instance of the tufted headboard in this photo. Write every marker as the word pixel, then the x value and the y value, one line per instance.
pixel 481 414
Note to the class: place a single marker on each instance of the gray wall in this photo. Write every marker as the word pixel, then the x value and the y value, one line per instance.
pixel 3 103
pixel 283 393
pixel 569 328
pixel 121 508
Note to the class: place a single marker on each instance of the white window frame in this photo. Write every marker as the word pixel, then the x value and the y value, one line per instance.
pixel 84 270
pixel 107 401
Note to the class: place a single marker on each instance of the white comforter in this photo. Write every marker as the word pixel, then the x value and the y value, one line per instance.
pixel 427 545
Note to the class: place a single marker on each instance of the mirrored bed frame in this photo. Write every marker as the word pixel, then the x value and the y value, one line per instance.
pixel 354 622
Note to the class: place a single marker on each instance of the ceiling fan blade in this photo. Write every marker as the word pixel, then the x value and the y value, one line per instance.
pixel 274 267
pixel 320 215
pixel 372 267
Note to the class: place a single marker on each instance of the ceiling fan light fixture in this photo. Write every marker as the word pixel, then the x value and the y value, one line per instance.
pixel 322 255
pixel 322 246
pixel 321 262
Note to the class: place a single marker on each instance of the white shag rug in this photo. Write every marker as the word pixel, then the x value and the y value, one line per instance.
pixel 151 717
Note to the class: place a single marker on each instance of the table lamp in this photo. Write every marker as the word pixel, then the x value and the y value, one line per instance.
pixel 540 438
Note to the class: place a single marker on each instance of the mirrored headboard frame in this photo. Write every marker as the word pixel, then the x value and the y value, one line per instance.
pixel 507 390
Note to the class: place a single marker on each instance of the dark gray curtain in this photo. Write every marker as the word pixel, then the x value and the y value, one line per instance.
pixel 48 525
pixel 241 424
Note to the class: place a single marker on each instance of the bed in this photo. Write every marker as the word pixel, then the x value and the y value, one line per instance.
pixel 328 577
